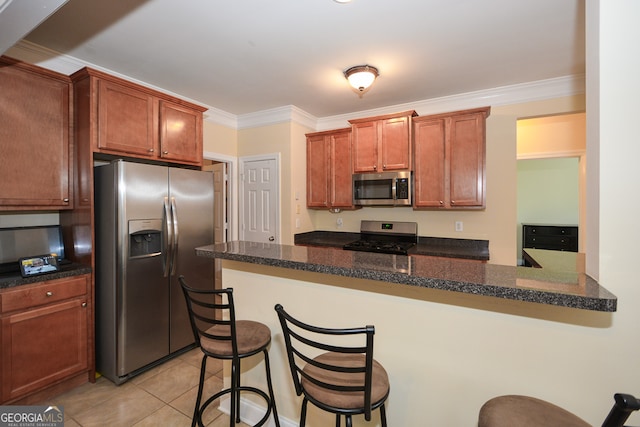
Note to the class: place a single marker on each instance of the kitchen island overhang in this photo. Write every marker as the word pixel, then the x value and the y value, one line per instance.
pixel 570 289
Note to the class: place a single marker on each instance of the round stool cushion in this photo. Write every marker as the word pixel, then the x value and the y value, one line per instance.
pixel 252 336
pixel 342 399
pixel 524 411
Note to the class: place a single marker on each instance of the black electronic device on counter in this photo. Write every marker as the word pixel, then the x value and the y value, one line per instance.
pixel 36 265
pixel 17 243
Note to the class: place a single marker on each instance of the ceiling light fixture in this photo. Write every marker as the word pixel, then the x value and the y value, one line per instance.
pixel 361 76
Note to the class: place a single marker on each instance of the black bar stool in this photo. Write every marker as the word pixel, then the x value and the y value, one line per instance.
pixel 344 380
pixel 227 339
pixel 526 411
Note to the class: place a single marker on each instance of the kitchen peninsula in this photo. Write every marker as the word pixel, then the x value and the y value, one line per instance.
pixel 444 326
pixel 545 286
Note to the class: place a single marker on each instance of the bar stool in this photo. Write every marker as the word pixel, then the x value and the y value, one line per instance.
pixel 344 380
pixel 227 339
pixel 525 411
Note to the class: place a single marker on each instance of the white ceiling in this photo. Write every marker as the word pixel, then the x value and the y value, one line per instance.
pixel 245 56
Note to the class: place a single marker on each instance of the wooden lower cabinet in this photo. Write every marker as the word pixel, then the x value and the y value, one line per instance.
pixel 46 331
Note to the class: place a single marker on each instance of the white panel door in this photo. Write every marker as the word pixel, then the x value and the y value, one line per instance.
pixel 260 200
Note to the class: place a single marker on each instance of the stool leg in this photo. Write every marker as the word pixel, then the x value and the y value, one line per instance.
pixel 303 412
pixel 270 386
pixel 237 389
pixel 233 415
pixel 196 411
pixel 383 416
pixel 337 420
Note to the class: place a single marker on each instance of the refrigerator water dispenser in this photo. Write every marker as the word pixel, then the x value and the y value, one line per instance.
pixel 145 238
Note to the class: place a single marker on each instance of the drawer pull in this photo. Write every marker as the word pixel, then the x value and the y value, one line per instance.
pixel 49 294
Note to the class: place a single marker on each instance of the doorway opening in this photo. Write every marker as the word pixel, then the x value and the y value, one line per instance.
pixel 551 173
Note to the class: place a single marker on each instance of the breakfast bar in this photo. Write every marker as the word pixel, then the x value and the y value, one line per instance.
pixel 447 330
pixel 569 287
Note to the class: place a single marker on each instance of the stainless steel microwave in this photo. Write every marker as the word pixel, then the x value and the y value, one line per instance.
pixel 382 189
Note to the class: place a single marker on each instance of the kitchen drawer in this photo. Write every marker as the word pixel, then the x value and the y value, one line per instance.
pixel 28 296
pixel 563 238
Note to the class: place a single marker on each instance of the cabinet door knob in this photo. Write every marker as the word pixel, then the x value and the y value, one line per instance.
pixel 453 202
pixel 441 202
pixel 151 150
pixel 84 304
pixel 165 152
pixel 49 294
pixel 65 200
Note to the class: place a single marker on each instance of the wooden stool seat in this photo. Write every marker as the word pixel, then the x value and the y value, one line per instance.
pixel 524 411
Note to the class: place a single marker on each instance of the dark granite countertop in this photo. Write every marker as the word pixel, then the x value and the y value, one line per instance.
pixel 430 246
pixel 8 280
pixel 539 285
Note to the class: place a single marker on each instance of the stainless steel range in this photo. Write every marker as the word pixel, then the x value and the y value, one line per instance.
pixel 388 237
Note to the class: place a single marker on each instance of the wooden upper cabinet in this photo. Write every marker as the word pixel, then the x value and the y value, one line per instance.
pixel 450 160
pixel 180 133
pixel 365 147
pixel 341 186
pixel 429 167
pixel 123 118
pixel 467 160
pixel 317 171
pixel 329 169
pixel 35 109
pixel 126 120
pixel 382 143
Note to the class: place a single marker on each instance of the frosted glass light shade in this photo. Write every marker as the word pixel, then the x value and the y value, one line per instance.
pixel 361 76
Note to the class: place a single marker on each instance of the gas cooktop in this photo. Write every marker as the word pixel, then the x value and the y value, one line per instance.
pixel 385 237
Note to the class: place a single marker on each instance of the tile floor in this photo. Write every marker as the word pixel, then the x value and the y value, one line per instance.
pixel 164 396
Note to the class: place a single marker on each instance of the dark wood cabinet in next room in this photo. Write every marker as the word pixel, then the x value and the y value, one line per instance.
pixel 553 237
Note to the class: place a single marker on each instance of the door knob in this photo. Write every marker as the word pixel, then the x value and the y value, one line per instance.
pixel 271 239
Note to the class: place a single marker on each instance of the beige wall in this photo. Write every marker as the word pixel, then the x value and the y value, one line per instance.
pixel 561 134
pixel 301 217
pixel 219 139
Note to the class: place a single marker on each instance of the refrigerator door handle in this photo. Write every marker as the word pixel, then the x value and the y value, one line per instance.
pixel 167 235
pixel 174 215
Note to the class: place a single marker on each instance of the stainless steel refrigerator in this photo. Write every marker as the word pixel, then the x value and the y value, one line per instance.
pixel 149 220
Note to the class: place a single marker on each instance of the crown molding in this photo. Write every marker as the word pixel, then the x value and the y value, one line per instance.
pixel 504 95
pixel 288 113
